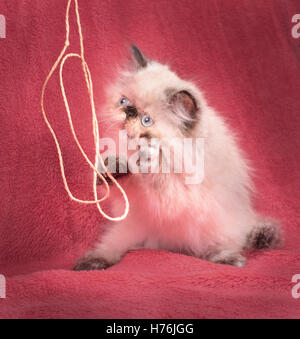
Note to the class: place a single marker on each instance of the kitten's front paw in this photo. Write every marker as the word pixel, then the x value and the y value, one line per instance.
pixel 118 168
pixel 91 264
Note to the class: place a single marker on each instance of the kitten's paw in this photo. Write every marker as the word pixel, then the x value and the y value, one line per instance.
pixel 117 167
pixel 227 258
pixel 266 235
pixel 91 264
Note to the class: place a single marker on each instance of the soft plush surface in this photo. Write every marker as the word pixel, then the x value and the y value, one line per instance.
pixel 243 55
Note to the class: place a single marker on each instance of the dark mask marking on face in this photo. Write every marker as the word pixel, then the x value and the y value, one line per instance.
pixel 131 112
pixel 146 135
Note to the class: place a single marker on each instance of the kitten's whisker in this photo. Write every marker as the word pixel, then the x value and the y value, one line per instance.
pixel 110 113
pixel 110 119
pixel 105 115
pixel 115 124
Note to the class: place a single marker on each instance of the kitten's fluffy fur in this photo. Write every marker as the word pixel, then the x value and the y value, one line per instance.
pixel 214 220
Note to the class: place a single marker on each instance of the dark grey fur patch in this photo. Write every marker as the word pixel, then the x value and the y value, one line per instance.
pixel 131 112
pixel 139 57
pixel 265 236
pixel 189 103
pixel 146 135
pixel 91 264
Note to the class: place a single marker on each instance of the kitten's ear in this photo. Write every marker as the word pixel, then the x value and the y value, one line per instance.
pixel 138 57
pixel 185 100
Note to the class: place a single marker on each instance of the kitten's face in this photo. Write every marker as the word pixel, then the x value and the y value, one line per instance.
pixel 152 102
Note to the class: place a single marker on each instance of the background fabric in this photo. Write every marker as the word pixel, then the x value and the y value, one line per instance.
pixel 242 54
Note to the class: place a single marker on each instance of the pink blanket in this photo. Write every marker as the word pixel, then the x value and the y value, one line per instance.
pixel 242 53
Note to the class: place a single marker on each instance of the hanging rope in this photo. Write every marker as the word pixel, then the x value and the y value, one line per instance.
pixel 60 62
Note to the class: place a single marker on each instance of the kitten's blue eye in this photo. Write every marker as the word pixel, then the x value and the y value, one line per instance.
pixel 147 121
pixel 124 102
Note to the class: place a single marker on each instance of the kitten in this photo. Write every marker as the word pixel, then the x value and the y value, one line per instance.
pixel 213 220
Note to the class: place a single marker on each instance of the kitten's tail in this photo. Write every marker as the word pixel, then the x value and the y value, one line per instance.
pixel 266 234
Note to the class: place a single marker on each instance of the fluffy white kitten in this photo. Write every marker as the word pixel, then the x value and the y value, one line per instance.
pixel 214 220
